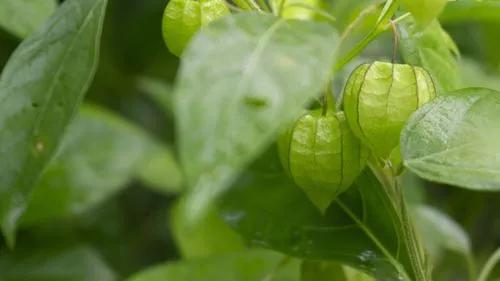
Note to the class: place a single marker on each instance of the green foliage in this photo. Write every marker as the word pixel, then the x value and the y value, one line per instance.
pixel 425 11
pixel 91 166
pixel 276 68
pixel 330 271
pixel 22 17
pixel 78 263
pixel 96 191
pixel 432 49
pixel 441 233
pixel 454 140
pixel 40 88
pixel 252 265
pixel 363 228
pixel 210 236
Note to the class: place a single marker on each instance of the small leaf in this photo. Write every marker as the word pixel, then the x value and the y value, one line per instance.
pixel 77 263
pixel 454 140
pixel 22 17
pixel 282 64
pixel 99 155
pixel 40 89
pixel 254 265
pixel 441 232
pixel 434 50
pixel 425 11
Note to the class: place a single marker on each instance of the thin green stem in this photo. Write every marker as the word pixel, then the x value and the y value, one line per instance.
pixel 328 100
pixel 281 7
pixel 253 5
pixel 263 4
pixel 386 174
pixel 395 41
pixel 376 31
pixel 471 267
pixel 489 266
pixel 375 240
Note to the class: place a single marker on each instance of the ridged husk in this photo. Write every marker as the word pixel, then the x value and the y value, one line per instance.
pixel 183 18
pixel 378 99
pixel 322 155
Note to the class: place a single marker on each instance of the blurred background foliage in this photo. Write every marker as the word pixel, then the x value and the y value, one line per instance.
pixel 113 201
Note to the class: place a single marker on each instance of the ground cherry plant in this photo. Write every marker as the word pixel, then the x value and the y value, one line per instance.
pixel 300 140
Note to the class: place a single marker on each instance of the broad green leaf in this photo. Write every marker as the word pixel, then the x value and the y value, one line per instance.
pixel 76 264
pixel 254 265
pixel 40 89
pixel 362 228
pixel 99 155
pixel 322 271
pixel 210 236
pixel 22 17
pixel 253 75
pixel 454 140
pixel 425 11
pixel 471 11
pixel 434 50
pixel 330 271
pixel 441 232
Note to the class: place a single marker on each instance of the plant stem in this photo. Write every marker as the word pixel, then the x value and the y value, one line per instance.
pixel 395 41
pixel 471 267
pixel 376 31
pixel 490 264
pixel 387 177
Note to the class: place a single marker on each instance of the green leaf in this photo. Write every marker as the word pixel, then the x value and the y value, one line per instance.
pixel 267 69
pixel 254 265
pixel 208 237
pixel 40 90
pixel 425 11
pixel 99 155
pixel 441 232
pixel 322 271
pixel 22 17
pixel 76 264
pixel 362 228
pixel 475 74
pixel 454 140
pixel 432 49
pixel 330 271
pixel 159 169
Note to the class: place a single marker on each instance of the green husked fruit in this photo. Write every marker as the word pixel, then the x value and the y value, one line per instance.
pixel 183 18
pixel 379 98
pixel 297 9
pixel 322 156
